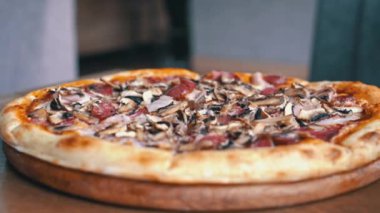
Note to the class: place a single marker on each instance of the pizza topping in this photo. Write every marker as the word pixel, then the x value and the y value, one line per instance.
pixel 325 133
pixel 39 116
pixel 179 91
pixel 103 89
pixel 103 109
pixel 275 79
pixel 162 102
pixel 263 141
pixel 217 111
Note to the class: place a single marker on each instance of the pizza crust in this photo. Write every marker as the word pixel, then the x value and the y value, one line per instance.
pixel 310 159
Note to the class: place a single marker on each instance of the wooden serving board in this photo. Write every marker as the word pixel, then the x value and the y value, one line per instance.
pixel 200 197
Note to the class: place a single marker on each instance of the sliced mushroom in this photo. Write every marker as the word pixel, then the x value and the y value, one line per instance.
pixel 158 136
pixel 156 91
pixel 245 89
pixel 162 125
pixel 326 94
pixel 308 114
pixel 339 119
pixel 196 96
pixel 243 140
pixel 173 108
pixel 181 129
pixel 283 122
pixel 113 129
pixel 231 126
pixel 288 110
pixel 85 117
pixel 147 97
pixel 132 93
pixel 348 110
pixel 129 134
pixel 39 115
pixel 297 92
pixel 260 114
pixel 259 82
pixel 56 118
pixel 269 101
pixel 160 103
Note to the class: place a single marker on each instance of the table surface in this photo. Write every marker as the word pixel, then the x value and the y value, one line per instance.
pixel 19 194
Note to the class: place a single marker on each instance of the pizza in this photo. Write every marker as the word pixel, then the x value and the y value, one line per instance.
pixel 176 126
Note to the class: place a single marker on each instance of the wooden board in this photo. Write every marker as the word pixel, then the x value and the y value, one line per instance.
pixel 188 197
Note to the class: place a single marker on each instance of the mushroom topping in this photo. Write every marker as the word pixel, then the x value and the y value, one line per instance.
pixel 307 114
pixel 288 110
pixel 217 112
pixel 56 105
pixel 85 117
pixel 39 115
pixel 127 105
pixel 348 110
pixel 160 103
pixel 245 89
pixel 127 93
pixel 56 118
pixel 129 134
pixel 284 122
pixel 259 82
pixel 243 140
pixel 326 94
pixel 297 92
pixel 112 129
pixel 156 91
pixel 172 108
pixel 269 101
pixel 339 120
pixel 147 97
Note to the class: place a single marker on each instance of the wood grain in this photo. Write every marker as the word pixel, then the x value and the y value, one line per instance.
pixel 188 197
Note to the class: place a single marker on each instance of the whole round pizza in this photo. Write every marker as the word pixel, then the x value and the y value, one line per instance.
pixel 176 128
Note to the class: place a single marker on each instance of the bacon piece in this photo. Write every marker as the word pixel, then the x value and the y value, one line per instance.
pixel 103 89
pixel 236 111
pixel 179 91
pixel 275 79
pixel 324 134
pixel 154 79
pixel 103 110
pixel 268 91
pixel 285 139
pixel 140 111
pixel 224 119
pixel 216 140
pixel 262 141
pixel 346 100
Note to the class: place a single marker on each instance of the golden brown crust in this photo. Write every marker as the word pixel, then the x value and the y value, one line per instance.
pixel 200 197
pixel 309 159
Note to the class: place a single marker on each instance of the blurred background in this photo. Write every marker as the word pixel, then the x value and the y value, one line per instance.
pixel 44 42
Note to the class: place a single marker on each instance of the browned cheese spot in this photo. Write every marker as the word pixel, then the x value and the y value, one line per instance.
pixel 72 143
pixel 373 136
pixel 146 159
pixel 308 153
pixel 333 154
pixel 281 174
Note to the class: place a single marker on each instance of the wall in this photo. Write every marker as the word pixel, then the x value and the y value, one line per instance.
pixel 253 34
pixel 37 44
